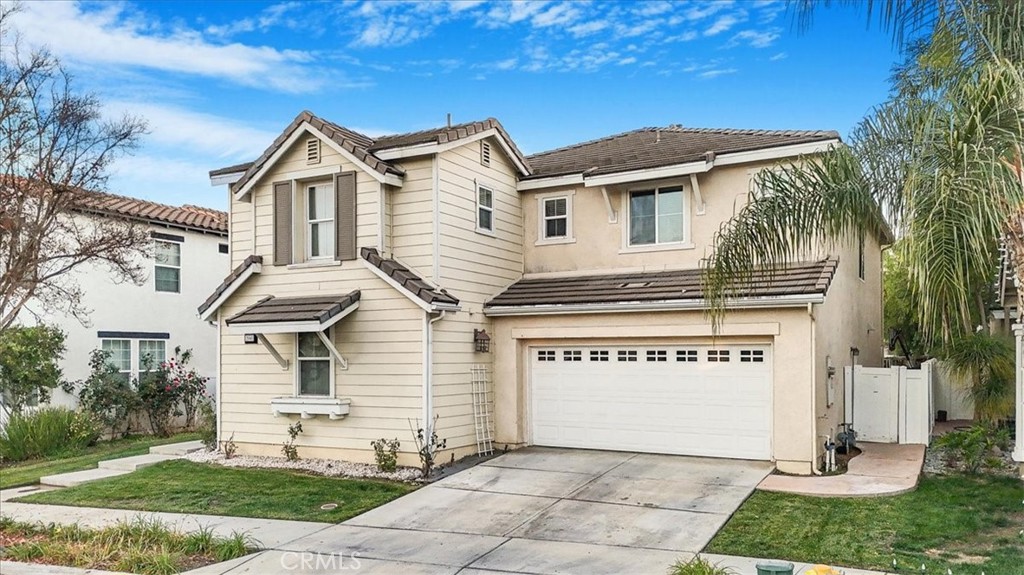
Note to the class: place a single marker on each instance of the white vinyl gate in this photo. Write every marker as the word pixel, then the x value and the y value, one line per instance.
pixel 890 404
pixel 679 399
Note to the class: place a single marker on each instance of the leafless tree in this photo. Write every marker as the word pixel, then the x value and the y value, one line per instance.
pixel 55 151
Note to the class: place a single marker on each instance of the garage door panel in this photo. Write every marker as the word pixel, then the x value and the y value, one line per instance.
pixel 699 400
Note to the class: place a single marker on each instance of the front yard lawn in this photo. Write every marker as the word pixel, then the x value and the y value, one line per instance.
pixel 29 472
pixel 141 546
pixel 963 523
pixel 184 487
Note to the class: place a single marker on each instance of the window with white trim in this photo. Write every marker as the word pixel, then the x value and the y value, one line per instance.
pixel 484 209
pixel 167 266
pixel 657 216
pixel 320 236
pixel 555 217
pixel 120 357
pixel 314 370
pixel 152 352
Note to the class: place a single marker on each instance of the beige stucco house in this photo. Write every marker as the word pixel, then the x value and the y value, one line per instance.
pixel 371 274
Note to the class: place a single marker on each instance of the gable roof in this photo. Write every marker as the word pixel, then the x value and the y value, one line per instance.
pixel 446 134
pixel 657 147
pixel 349 140
pixel 408 280
pixel 799 279
pixel 232 282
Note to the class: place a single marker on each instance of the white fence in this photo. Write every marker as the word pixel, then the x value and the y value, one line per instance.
pixel 891 404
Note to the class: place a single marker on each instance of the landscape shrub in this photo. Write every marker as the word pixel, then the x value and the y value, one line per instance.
pixel 698 566
pixel 107 395
pixel 972 449
pixel 28 365
pixel 168 390
pixel 386 453
pixel 45 432
pixel 207 424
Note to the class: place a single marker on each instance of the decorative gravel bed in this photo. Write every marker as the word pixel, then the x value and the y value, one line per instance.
pixel 326 467
pixel 936 462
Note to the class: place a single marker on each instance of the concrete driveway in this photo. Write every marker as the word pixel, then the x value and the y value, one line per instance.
pixel 539 511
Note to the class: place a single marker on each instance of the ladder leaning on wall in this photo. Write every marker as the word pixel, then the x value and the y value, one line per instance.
pixel 483 409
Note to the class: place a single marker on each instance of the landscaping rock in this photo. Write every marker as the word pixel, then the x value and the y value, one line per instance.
pixel 326 467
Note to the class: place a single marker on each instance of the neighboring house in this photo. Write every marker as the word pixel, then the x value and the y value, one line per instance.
pixel 368 272
pixel 190 255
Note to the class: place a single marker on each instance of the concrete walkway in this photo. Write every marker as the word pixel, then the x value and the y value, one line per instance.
pixel 880 469
pixel 114 467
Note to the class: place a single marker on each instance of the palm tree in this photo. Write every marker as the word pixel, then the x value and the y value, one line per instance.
pixel 935 164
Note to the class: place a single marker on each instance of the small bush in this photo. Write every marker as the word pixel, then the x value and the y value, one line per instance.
pixel 290 451
pixel 107 394
pixel 698 566
pixel 28 365
pixel 46 431
pixel 207 424
pixel 971 449
pixel 386 454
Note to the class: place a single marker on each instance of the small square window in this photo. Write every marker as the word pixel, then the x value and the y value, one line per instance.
pixel 686 355
pixel 718 355
pixel 546 355
pixel 484 209
pixel 627 355
pixel 598 355
pixel 751 356
pixel 572 355
pixel 556 218
pixel 222 248
pixel 657 355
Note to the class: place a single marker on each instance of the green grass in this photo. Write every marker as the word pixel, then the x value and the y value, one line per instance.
pixel 140 546
pixel 966 524
pixel 185 487
pixel 29 472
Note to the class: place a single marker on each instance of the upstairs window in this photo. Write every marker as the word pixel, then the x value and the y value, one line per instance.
pixel 656 216
pixel 314 361
pixel 320 235
pixel 484 209
pixel 167 270
pixel 556 218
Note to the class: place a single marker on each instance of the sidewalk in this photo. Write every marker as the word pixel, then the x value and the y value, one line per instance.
pixel 880 469
pixel 285 544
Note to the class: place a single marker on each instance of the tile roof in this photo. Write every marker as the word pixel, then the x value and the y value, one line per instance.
pixel 408 279
pixel 444 135
pixel 796 279
pixel 188 216
pixel 229 281
pixel 294 309
pixel 656 147
pixel 230 169
pixel 354 142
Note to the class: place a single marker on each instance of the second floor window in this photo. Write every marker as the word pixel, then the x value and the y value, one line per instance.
pixel 656 216
pixel 167 273
pixel 320 234
pixel 556 218
pixel 484 209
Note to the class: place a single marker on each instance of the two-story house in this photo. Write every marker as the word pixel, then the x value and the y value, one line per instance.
pixel 379 281
pixel 133 322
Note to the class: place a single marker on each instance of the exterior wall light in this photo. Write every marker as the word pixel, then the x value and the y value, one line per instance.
pixel 481 341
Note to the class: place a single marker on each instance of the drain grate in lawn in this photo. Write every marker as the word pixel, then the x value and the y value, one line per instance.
pixel 962 523
pixel 185 487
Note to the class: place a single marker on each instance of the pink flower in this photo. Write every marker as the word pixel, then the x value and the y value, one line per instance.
pixel 168 388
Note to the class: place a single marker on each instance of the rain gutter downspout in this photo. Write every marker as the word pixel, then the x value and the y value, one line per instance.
pixel 428 371
pixel 814 403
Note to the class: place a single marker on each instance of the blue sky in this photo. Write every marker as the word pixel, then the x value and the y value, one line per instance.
pixel 218 81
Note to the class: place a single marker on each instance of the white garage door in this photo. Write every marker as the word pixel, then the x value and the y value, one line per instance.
pixel 688 400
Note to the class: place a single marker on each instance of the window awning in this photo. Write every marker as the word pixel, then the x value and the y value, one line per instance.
pixel 293 314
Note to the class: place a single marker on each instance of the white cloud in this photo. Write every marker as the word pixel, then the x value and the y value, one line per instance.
pixel 556 15
pixel 268 18
pixel 709 9
pixel 506 64
pixel 112 36
pixel 779 56
pixel 588 28
pixel 625 61
pixel 653 8
pixel 754 38
pixel 462 5
pixel 708 74
pixel 722 24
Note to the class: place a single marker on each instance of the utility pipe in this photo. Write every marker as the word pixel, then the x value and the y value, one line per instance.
pixel 428 373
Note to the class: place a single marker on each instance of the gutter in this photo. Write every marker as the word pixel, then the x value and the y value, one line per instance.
pixel 788 301
pixel 428 372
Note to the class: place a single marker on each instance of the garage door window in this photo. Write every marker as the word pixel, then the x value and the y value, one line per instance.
pixel 686 355
pixel 751 356
pixel 627 355
pixel 572 355
pixel 546 355
pixel 657 355
pixel 718 355
pixel 598 355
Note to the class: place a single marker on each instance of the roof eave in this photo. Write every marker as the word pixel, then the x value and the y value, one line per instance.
pixel 787 301
pixel 428 148
pixel 309 326
pixel 209 311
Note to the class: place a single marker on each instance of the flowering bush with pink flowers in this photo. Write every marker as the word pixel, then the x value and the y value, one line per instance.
pixel 170 389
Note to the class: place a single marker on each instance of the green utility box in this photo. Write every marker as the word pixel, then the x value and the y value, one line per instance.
pixel 774 568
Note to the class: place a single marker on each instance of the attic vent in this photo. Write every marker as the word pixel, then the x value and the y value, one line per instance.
pixel 485 153
pixel 634 285
pixel 313 151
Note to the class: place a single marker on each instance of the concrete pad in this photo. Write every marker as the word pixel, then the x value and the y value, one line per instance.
pixel 565 460
pixel 627 526
pixel 455 549
pixel 135 462
pixel 839 485
pixel 516 481
pixel 180 449
pixel 665 494
pixel 79 477
pixel 695 469
pixel 224 566
pixel 556 558
pixel 292 562
pixel 892 451
pixel 7 494
pixel 435 508
pixel 16 568
pixel 879 467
